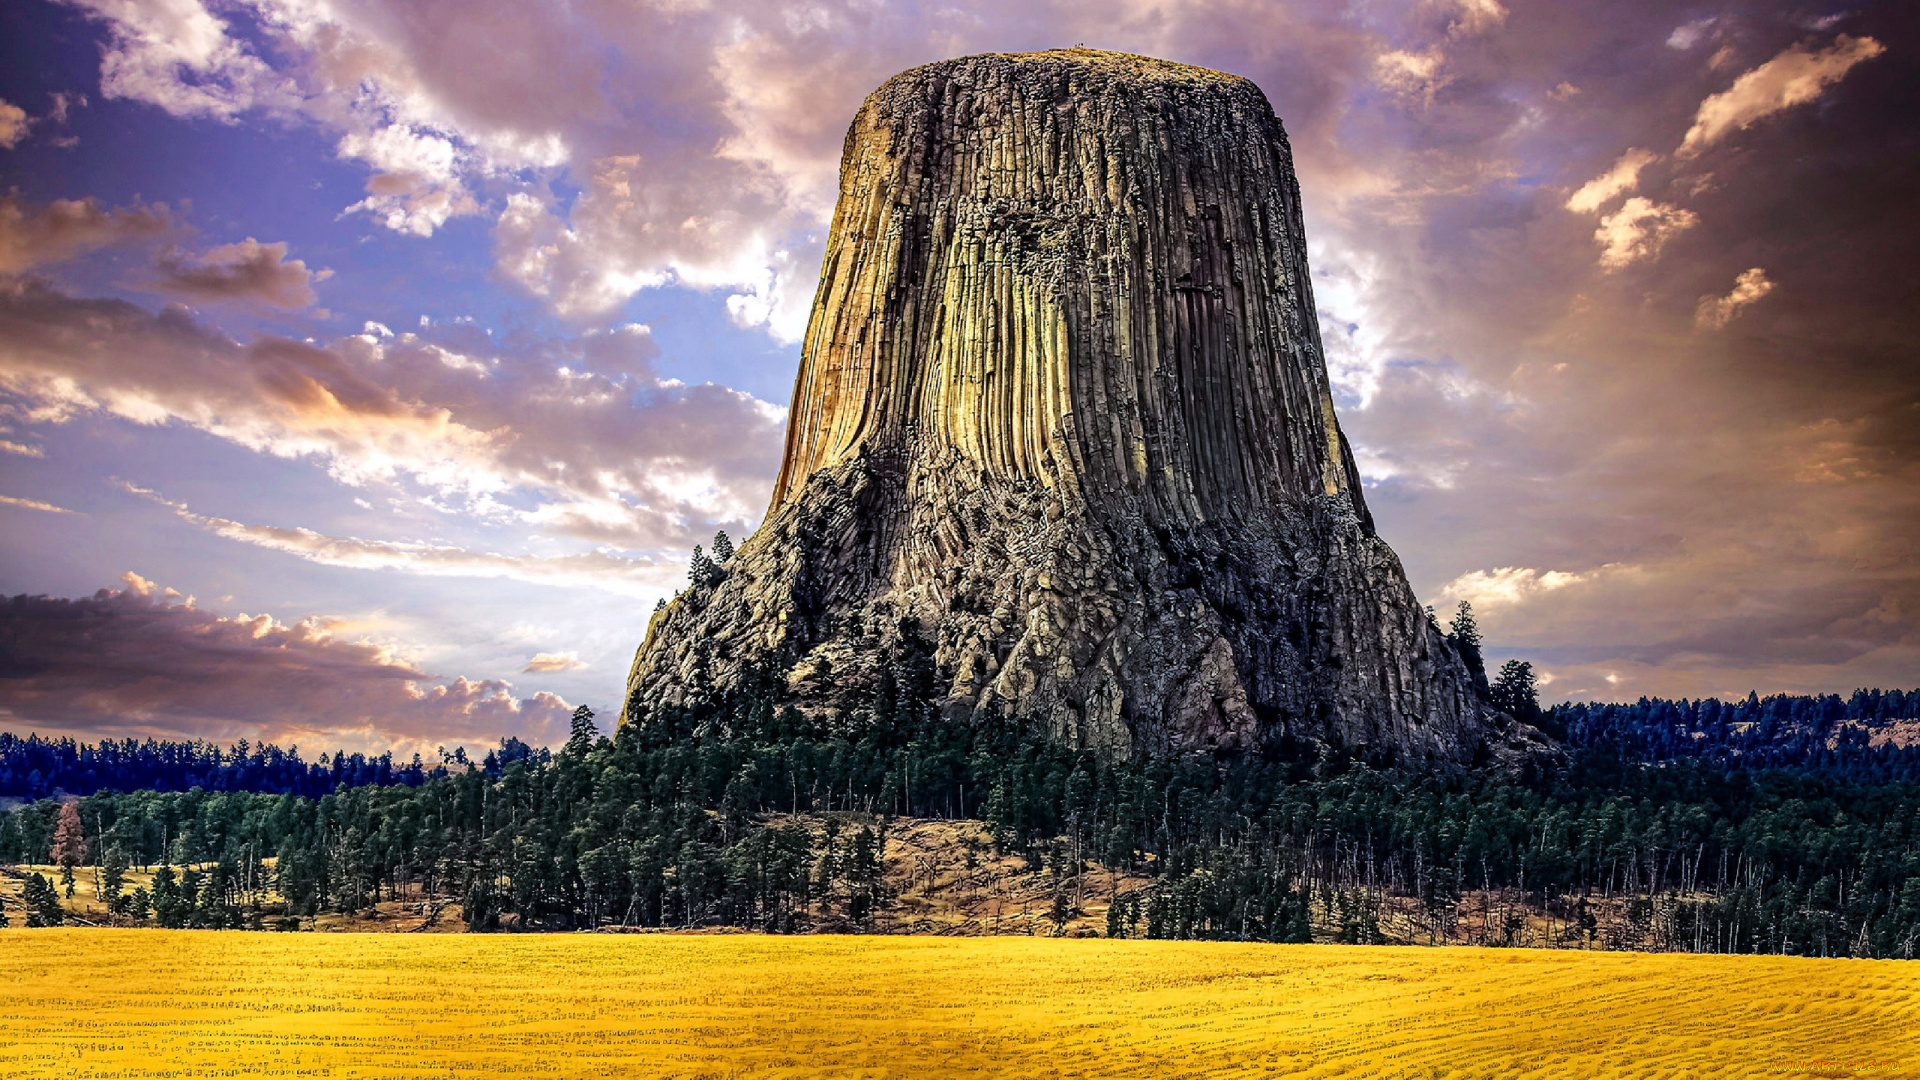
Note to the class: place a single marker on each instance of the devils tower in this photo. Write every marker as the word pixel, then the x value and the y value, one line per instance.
pixel 1063 416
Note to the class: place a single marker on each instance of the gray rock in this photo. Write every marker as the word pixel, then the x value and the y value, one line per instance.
pixel 1062 411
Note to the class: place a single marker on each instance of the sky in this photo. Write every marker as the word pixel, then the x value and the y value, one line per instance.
pixel 369 368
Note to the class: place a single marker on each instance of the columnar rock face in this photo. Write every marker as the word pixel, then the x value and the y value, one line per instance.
pixel 1062 414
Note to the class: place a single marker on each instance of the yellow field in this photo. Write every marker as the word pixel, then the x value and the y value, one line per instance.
pixel 149 1003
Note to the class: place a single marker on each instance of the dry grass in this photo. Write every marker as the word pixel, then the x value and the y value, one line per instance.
pixel 146 1003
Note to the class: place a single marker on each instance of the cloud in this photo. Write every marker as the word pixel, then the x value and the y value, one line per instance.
pixel 1508 585
pixel 620 148
pixel 415 187
pixel 1638 230
pixel 177 55
pixel 14 125
pixel 1476 17
pixel 596 570
pixel 1687 35
pixel 577 437
pixel 144 661
pixel 34 504
pixel 247 271
pixel 1794 77
pixel 1617 180
pixel 1411 73
pixel 1715 312
pixel 1421 73
pixel 547 663
pixel 1511 407
pixel 33 235
pixel 628 231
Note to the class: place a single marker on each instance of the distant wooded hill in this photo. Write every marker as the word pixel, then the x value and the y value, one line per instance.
pixel 37 768
pixel 1874 734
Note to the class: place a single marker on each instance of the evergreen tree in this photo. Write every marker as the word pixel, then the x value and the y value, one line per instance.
pixel 703 570
pixel 113 876
pixel 1514 692
pixel 42 903
pixel 138 905
pixel 170 908
pixel 1466 638
pixel 580 741
pixel 722 547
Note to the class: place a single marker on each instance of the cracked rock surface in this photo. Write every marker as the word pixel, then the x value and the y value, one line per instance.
pixel 1062 412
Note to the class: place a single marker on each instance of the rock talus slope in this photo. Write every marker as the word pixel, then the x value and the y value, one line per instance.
pixel 1062 415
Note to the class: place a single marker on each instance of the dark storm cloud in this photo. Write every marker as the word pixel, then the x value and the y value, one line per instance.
pixel 145 661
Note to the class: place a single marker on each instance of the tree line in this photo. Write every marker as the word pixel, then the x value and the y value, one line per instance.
pixel 1780 824
pixel 685 816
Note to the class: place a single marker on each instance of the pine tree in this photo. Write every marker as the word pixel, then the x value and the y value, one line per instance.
pixel 168 908
pixel 42 902
pixel 1514 692
pixel 113 876
pixel 584 733
pixel 722 547
pixel 1466 638
pixel 702 570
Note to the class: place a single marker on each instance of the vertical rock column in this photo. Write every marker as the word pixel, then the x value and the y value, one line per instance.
pixel 1062 412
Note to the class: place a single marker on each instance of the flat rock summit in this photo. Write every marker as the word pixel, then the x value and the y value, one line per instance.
pixel 1063 429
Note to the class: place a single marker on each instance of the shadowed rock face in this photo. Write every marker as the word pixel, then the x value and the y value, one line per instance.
pixel 1062 411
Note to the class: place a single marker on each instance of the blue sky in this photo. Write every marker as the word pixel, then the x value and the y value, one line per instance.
pixel 438 333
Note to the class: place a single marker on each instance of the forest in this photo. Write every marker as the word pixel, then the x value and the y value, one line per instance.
pixel 1774 825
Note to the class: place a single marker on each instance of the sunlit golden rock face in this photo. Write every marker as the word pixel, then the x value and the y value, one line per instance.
pixel 1080 269
pixel 1062 412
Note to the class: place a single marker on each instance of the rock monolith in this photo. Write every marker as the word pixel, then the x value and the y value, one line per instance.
pixel 1063 416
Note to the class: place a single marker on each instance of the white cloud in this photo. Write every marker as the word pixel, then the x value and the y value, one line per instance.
pixel 630 231
pixel 416 185
pixel 548 663
pixel 638 578
pixel 1617 180
pixel 582 440
pixel 1794 77
pixel 34 504
pixel 1638 230
pixel 1353 332
pixel 1411 73
pixel 176 54
pixel 1477 17
pixel 1687 35
pixel 1420 73
pixel 1507 586
pixel 14 125
pixel 1715 312
pixel 428 100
